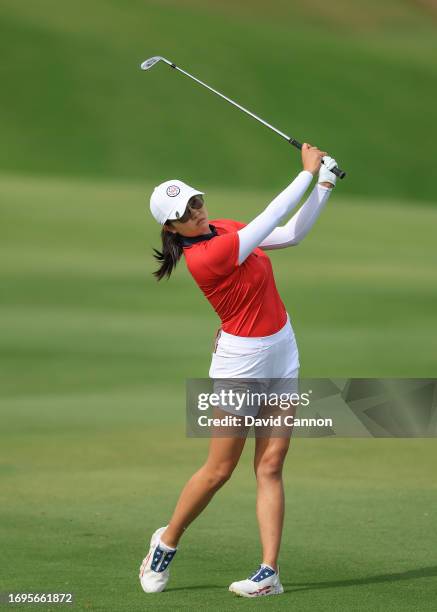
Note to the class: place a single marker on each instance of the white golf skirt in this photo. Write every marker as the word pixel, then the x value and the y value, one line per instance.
pixel 274 356
pixel 268 364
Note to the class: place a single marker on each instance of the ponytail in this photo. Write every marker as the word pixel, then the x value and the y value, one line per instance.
pixel 169 256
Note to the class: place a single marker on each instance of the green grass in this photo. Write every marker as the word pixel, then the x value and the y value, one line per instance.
pixel 80 306
pixel 359 79
pixel 94 354
pixel 87 479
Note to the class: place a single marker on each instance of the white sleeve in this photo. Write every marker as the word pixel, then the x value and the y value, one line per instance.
pixel 300 224
pixel 257 230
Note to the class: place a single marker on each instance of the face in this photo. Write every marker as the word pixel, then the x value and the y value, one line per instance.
pixel 194 221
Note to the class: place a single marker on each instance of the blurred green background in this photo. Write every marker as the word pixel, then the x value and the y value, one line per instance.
pixel 358 79
pixel 94 353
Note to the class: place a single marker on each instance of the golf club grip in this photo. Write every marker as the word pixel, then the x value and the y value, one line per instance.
pixel 337 171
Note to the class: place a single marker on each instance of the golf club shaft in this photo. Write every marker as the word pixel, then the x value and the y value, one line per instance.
pixel 337 171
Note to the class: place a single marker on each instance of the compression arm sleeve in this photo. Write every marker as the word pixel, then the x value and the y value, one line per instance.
pixel 300 223
pixel 257 230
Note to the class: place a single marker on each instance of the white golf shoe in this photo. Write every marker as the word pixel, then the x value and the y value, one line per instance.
pixel 154 572
pixel 265 581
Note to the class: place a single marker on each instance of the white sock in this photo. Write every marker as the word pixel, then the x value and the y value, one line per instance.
pixel 165 547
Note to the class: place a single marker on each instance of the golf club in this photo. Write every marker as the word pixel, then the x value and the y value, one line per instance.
pixel 149 63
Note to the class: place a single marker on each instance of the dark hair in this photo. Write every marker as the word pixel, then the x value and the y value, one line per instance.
pixel 170 255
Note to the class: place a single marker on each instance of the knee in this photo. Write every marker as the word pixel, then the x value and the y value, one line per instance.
pixel 217 475
pixel 270 468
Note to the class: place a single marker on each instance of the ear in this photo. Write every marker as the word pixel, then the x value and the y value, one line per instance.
pixel 169 228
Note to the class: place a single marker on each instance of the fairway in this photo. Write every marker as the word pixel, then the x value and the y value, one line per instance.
pixel 94 360
pixel 95 354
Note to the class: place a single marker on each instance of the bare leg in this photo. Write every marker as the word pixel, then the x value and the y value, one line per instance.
pixel 270 454
pixel 223 456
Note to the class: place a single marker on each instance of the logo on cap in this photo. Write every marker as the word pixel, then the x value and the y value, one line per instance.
pixel 172 191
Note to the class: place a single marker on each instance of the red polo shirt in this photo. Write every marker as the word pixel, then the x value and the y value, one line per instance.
pixel 244 296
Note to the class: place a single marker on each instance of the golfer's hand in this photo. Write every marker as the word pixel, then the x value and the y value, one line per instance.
pixel 311 158
pixel 326 177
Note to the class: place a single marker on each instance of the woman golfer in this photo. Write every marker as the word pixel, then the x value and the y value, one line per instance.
pixel 228 262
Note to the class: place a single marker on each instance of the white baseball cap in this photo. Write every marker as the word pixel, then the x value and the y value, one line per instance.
pixel 169 200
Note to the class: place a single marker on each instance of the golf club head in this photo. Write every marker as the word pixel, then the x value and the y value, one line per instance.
pixel 149 63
